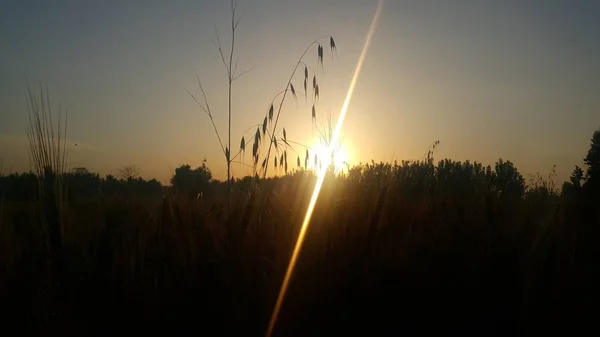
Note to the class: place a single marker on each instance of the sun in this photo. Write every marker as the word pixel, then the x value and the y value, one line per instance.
pixel 341 158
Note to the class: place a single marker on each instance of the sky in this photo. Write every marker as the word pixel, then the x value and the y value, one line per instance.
pixel 508 79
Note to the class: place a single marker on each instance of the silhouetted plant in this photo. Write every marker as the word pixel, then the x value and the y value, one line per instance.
pixel 428 157
pixel 47 145
pixel 270 131
pixel 232 75
pixel 48 158
pixel 267 132
pixel 538 186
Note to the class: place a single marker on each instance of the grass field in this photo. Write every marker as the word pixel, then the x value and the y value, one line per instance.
pixel 391 249
pixel 410 248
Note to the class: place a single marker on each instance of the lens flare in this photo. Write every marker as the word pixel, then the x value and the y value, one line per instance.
pixel 321 176
pixel 341 155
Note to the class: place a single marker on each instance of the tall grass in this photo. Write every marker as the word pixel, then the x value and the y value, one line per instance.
pixel 48 155
pixel 47 144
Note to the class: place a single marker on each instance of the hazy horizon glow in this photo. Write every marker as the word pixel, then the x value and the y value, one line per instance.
pixel 509 79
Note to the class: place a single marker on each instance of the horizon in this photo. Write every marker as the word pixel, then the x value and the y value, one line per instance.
pixel 514 80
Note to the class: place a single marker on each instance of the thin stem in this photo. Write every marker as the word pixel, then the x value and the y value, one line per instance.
pixel 207 111
pixel 230 81
pixel 299 144
pixel 242 163
pixel 235 77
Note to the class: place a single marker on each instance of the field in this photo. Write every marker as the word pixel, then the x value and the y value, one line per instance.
pixel 403 248
pixel 414 247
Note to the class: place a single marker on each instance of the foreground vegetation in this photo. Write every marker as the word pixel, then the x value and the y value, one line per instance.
pixel 392 248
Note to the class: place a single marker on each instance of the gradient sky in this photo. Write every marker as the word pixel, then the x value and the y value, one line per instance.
pixel 489 79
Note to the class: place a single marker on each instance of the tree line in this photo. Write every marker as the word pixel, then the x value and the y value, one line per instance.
pixel 447 177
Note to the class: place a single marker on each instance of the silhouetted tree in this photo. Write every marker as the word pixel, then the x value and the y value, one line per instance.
pixel 592 160
pixel 577 176
pixel 78 183
pixel 139 186
pixel 128 172
pixel 573 186
pixel 111 186
pixel 82 183
pixel 509 182
pixel 19 187
pixel 191 182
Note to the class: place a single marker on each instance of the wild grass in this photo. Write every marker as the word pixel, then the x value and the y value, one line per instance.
pixel 268 141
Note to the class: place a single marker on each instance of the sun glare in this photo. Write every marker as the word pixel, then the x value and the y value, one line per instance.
pixel 321 176
pixel 341 157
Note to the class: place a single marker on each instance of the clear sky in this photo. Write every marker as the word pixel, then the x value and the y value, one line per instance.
pixel 489 79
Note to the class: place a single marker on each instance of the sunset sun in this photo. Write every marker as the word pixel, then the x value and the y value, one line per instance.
pixel 341 155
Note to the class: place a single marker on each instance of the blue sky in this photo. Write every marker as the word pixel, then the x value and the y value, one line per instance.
pixel 489 79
